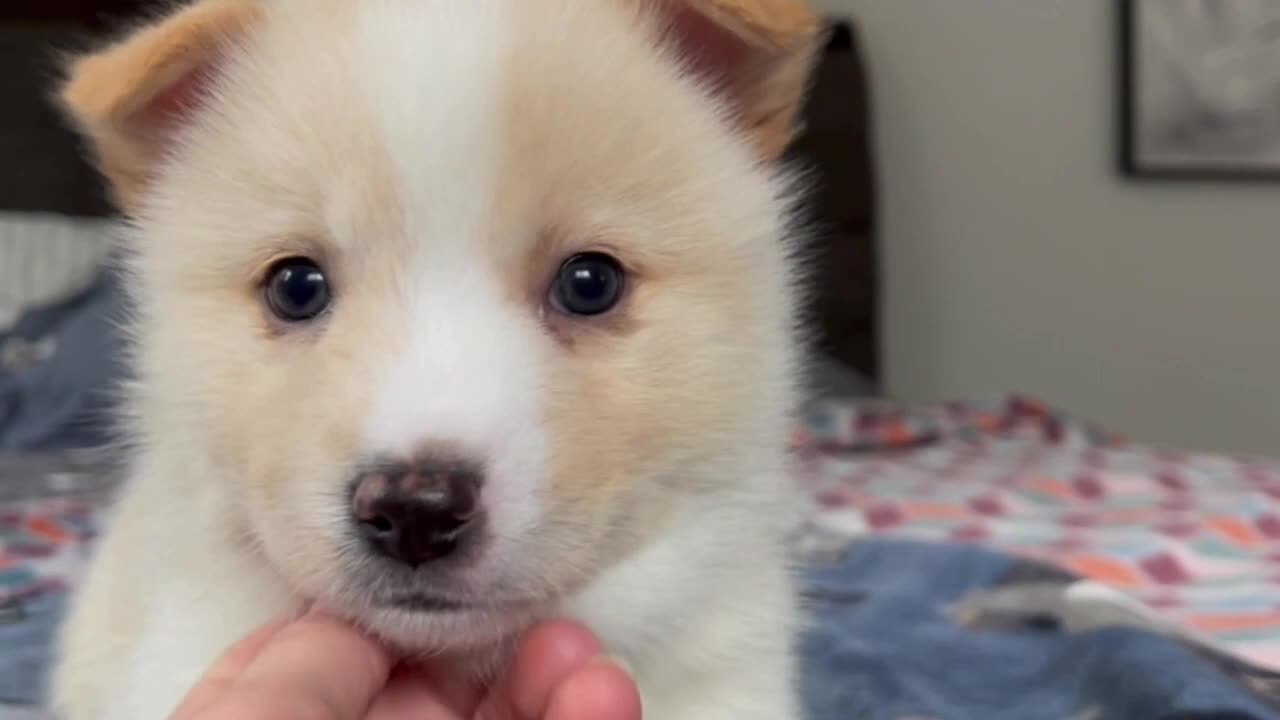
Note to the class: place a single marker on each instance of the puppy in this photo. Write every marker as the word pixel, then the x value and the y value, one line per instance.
pixel 452 315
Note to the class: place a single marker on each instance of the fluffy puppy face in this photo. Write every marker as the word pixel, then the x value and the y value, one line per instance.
pixel 509 251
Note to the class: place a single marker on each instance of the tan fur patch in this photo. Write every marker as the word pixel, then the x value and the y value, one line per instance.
pixel 108 92
pixel 780 39
pixel 782 24
pixel 639 386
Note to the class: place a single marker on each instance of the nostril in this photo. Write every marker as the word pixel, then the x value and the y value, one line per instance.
pixel 380 524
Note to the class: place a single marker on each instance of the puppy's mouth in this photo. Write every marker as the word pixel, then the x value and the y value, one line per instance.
pixel 424 603
pixel 428 603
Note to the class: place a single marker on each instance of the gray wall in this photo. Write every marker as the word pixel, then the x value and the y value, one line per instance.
pixel 1016 260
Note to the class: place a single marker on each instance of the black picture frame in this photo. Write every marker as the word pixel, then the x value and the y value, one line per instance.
pixel 1135 158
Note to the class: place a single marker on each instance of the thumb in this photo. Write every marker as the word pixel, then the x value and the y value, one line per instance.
pixel 558 674
pixel 219 678
pixel 317 667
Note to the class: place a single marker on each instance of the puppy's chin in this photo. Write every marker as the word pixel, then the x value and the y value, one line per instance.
pixel 428 627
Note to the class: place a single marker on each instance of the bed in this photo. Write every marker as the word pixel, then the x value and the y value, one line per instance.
pixel 986 559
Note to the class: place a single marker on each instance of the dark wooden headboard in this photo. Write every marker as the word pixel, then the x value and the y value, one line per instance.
pixel 41 160
pixel 42 166
pixel 841 206
pixel 91 13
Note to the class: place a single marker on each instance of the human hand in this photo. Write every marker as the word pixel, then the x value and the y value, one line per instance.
pixel 318 668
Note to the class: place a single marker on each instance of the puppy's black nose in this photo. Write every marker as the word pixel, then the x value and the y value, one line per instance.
pixel 417 512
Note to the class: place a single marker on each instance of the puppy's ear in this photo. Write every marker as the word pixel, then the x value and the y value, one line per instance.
pixel 130 97
pixel 757 54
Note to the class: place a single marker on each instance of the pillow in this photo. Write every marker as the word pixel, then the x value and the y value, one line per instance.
pixel 46 260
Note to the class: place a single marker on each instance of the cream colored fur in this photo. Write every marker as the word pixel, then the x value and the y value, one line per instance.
pixel 441 158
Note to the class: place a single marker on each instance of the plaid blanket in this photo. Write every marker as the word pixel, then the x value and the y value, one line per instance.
pixel 1192 538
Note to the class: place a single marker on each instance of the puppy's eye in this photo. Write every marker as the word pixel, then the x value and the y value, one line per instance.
pixel 587 284
pixel 296 289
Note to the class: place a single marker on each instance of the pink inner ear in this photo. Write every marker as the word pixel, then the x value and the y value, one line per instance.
pixel 174 104
pixel 715 53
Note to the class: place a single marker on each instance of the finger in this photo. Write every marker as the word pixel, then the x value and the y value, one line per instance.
pixel 459 689
pixel 219 678
pixel 547 655
pixel 411 696
pixel 600 691
pixel 320 666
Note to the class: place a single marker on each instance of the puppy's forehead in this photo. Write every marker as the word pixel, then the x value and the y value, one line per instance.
pixel 401 131
pixel 436 73
pixel 459 120
pixel 520 114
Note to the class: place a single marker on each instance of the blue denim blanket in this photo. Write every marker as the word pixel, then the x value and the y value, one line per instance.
pixel 886 645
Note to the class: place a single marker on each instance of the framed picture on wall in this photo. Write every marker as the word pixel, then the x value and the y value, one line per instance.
pixel 1200 88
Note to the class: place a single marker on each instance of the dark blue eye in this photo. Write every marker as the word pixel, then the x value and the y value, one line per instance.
pixel 297 289
pixel 587 284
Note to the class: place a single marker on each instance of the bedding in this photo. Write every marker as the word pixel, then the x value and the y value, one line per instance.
pixel 60 364
pixel 50 508
pixel 985 561
pixel 892 639
pixel 999 560
pixel 46 260
pixel 1194 538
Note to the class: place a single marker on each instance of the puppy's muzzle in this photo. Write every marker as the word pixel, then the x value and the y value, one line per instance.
pixel 418 512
